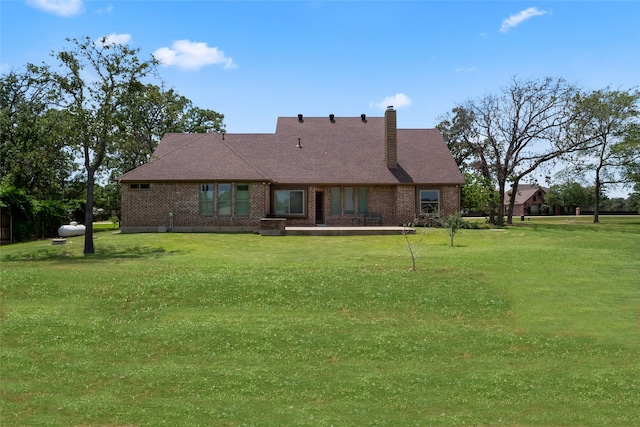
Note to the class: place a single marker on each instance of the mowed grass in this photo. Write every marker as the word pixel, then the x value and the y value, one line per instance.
pixel 532 325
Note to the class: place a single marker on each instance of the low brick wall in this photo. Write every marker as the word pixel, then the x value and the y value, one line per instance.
pixel 273 226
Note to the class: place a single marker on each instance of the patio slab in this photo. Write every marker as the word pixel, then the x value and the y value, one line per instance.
pixel 344 231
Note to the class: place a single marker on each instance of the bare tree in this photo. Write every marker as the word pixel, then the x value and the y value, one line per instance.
pixel 518 130
pixel 414 239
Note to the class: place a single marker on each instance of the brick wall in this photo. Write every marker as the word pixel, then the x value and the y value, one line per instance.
pixel 381 199
pixel 450 203
pixel 406 203
pixel 148 209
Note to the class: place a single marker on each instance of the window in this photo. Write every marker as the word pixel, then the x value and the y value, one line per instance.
pixel 429 201
pixel 224 199
pixel 336 201
pixel 206 199
pixel 349 201
pixel 289 202
pixel 242 199
pixel 209 206
pixel 143 186
pixel 363 200
pixel 343 200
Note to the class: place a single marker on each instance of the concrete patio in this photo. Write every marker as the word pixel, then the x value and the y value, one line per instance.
pixel 344 231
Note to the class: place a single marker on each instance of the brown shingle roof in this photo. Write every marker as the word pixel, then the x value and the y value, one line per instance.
pixel 347 151
pixel 524 193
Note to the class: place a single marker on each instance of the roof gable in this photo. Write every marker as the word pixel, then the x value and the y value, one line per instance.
pixel 525 192
pixel 194 157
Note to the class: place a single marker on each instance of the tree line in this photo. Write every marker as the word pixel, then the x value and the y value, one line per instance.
pixel 96 113
pixel 500 140
pixel 70 128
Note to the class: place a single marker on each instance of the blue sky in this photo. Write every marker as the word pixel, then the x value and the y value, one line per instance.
pixel 256 60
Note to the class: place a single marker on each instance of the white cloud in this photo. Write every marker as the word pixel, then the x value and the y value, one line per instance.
pixel 107 10
pixel 114 39
pixel 465 70
pixel 519 18
pixel 398 100
pixel 64 8
pixel 192 55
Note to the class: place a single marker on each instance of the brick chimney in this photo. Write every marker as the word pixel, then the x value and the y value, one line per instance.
pixel 391 138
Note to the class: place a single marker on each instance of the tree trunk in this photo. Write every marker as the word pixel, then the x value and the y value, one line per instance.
pixel 596 207
pixel 492 209
pixel 512 202
pixel 500 219
pixel 88 215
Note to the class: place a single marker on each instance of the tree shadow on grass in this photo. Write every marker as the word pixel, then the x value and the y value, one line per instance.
pixel 104 252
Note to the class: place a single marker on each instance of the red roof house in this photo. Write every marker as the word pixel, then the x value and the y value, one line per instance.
pixel 313 170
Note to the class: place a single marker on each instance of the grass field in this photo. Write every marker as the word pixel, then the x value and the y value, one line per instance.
pixel 537 324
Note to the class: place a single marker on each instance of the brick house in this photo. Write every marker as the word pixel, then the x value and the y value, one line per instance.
pixel 336 171
pixel 529 200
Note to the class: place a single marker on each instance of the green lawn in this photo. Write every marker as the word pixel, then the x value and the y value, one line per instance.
pixel 537 324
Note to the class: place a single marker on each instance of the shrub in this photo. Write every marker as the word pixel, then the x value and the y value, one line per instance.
pixel 51 215
pixel 19 206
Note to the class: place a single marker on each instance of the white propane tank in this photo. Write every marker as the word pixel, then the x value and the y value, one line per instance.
pixel 73 229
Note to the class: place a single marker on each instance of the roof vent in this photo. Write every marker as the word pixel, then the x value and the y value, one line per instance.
pixel 332 118
pixel 389 107
pixel 300 119
pixel 363 117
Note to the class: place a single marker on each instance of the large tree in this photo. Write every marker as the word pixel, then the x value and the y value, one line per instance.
pixel 518 130
pixel 95 80
pixel 94 107
pixel 33 156
pixel 458 132
pixel 151 114
pixel 569 195
pixel 607 120
pixel 478 194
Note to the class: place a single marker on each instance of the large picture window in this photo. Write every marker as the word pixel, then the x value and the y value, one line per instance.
pixel 345 200
pixel 206 199
pixel 429 201
pixel 289 202
pixel 219 198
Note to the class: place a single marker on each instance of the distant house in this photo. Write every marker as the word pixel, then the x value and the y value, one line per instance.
pixel 529 200
pixel 339 171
